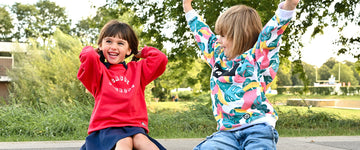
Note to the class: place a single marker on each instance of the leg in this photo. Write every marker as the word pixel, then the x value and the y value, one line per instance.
pixel 124 144
pixel 141 142
pixel 219 140
pixel 261 136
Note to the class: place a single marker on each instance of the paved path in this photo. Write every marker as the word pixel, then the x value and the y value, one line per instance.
pixel 285 143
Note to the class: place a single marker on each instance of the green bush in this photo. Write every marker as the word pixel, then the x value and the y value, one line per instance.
pixel 194 97
pixel 311 90
pixel 281 90
pixel 350 90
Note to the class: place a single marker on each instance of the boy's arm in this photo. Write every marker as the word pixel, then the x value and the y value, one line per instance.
pixel 204 37
pixel 290 4
pixel 267 47
pixel 187 5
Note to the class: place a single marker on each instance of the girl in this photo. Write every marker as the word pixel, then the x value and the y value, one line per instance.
pixel 244 61
pixel 119 119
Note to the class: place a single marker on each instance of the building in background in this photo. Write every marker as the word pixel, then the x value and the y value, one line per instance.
pixel 7 63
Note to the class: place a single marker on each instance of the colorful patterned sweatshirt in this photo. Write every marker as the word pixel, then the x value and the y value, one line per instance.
pixel 238 86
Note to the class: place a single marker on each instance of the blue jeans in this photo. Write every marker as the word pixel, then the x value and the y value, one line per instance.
pixel 256 137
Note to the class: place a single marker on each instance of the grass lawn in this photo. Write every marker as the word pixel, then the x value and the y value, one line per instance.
pixel 170 107
pixel 169 120
pixel 293 120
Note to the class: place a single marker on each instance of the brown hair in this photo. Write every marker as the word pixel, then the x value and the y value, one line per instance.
pixel 242 25
pixel 123 31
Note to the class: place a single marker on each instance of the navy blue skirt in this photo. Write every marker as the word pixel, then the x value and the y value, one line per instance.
pixel 106 139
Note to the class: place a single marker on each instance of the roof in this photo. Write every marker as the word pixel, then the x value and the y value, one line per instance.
pixel 11 46
pixel 5 79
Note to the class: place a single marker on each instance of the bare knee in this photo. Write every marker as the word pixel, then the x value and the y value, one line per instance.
pixel 142 142
pixel 124 144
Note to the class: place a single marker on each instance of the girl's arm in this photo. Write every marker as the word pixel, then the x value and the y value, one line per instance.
pixel 90 71
pixel 153 64
pixel 267 47
pixel 204 37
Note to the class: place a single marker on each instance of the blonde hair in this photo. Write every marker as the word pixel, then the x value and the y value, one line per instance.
pixel 242 25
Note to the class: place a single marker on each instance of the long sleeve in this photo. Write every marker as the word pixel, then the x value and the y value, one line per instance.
pixel 89 72
pixel 266 50
pixel 204 37
pixel 153 64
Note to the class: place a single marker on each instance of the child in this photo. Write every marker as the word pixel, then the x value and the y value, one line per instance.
pixel 119 119
pixel 244 61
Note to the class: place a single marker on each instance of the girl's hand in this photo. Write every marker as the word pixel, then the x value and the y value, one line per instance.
pixel 97 50
pixel 187 5
pixel 138 55
pixel 290 4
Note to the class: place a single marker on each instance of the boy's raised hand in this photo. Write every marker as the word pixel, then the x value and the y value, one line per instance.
pixel 187 5
pixel 290 4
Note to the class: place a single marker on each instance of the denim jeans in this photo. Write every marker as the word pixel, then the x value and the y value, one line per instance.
pixel 255 137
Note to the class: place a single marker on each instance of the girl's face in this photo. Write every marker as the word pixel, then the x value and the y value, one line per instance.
pixel 226 44
pixel 115 49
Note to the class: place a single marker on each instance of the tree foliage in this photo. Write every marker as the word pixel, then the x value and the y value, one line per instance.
pixel 324 72
pixel 284 75
pixel 162 24
pixel 316 15
pixel 346 73
pixel 89 28
pixel 6 25
pixel 39 20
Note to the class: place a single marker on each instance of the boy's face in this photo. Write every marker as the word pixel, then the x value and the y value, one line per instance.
pixel 115 49
pixel 226 43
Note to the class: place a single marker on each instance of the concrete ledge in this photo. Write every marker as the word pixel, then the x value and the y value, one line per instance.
pixel 313 102
pixel 284 143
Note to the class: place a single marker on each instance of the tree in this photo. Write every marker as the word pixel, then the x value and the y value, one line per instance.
pixel 39 20
pixel 50 17
pixel 89 28
pixel 164 22
pixel 164 16
pixel 316 15
pixel 330 62
pixel 324 73
pixel 299 77
pixel 25 17
pixel 310 72
pixel 346 74
pixel 284 75
pixel 353 68
pixel 6 25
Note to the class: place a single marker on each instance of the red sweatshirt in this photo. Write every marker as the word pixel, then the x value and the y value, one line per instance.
pixel 119 92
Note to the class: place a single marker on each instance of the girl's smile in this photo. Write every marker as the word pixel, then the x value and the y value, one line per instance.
pixel 115 49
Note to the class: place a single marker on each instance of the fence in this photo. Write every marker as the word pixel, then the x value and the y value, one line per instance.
pixel 349 90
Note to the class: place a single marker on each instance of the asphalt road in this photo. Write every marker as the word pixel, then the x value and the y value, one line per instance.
pixel 285 143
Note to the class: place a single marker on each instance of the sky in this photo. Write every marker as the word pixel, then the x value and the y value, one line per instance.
pixel 315 52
